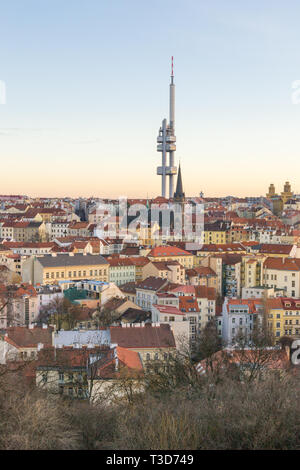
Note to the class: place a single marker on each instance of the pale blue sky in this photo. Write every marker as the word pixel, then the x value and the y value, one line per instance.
pixel 87 89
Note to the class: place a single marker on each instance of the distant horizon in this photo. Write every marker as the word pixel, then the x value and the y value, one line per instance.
pixel 133 197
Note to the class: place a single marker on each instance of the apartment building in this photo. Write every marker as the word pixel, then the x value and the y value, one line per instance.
pixel 121 270
pixel 283 315
pixel 282 273
pixel 171 253
pixel 239 316
pixel 19 305
pixel 170 270
pixel 153 342
pixel 23 343
pixel 23 231
pixel 51 269
pixel 202 276
pixel 146 291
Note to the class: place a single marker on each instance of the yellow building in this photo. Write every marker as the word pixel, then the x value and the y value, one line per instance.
pixel 283 317
pixel 216 233
pixel 50 269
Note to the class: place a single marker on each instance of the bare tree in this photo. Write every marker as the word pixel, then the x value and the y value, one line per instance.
pixel 60 312
pixel 208 342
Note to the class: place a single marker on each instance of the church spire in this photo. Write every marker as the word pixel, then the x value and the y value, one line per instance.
pixel 179 195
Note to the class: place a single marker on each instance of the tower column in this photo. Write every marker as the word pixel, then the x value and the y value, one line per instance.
pixel 166 141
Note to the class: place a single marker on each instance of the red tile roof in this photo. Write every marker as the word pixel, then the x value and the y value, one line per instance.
pixel 188 304
pixel 143 337
pixel 166 250
pixel 275 248
pixel 23 337
pixel 282 264
pixel 285 303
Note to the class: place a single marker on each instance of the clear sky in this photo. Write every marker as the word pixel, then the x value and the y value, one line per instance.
pixel 87 89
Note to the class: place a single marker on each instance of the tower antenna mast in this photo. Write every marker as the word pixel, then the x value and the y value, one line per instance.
pixel 166 141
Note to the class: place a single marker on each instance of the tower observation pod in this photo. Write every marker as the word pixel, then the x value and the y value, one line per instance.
pixel 166 144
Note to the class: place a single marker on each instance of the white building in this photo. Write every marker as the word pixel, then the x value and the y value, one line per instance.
pixel 239 317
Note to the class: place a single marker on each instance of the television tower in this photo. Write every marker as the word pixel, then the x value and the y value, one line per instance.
pixel 166 144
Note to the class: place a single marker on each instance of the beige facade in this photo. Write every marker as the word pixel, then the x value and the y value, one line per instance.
pixel 170 270
pixel 51 269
